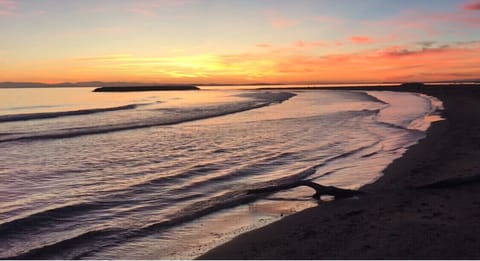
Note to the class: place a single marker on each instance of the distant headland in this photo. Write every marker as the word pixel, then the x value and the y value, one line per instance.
pixel 147 88
pixel 413 84
pixel 83 84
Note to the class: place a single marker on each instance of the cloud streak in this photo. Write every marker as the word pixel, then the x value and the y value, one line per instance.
pixel 178 40
pixel 418 61
pixel 8 8
pixel 278 21
pixel 149 7
pixel 264 45
pixel 361 39
pixel 397 51
pixel 308 44
pixel 472 6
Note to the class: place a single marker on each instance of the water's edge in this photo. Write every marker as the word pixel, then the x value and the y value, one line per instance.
pixel 424 123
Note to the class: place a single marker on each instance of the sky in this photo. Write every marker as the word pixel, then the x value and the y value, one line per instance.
pixel 239 41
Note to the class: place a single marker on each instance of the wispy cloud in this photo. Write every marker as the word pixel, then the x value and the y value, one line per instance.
pixel 361 39
pixel 8 7
pixel 306 44
pixel 433 22
pixel 402 63
pixel 411 24
pixel 417 61
pixel 399 51
pixel 426 44
pixel 149 7
pixel 295 46
pixel 278 21
pixel 111 57
pixel 96 9
pixel 475 6
pixel 264 45
pixel 327 19
pixel 93 32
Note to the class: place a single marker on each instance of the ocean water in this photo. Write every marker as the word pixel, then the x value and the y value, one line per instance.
pixel 158 175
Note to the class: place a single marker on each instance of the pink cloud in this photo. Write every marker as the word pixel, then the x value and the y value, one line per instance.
pixel 433 23
pixel 96 9
pixel 7 7
pixel 149 7
pixel 94 31
pixel 328 19
pixel 411 25
pixel 361 39
pixel 472 6
pixel 303 44
pixel 278 21
pixel 406 25
pixel 466 19
pixel 293 47
pixel 394 62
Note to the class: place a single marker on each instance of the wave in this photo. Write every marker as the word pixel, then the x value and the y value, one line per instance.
pixel 50 115
pixel 177 116
pixel 367 96
pixel 34 107
pixel 272 97
pixel 407 119
pixel 72 248
pixel 89 242
pixel 46 218
pixel 435 108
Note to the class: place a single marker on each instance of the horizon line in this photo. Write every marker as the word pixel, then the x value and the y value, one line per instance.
pixel 230 83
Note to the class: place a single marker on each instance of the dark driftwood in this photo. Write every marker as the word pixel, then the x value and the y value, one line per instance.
pixel 319 189
pixel 453 182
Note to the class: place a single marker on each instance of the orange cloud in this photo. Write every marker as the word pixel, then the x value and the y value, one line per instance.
pixel 423 61
pixel 361 39
pixel 294 47
pixel 394 63
pixel 264 45
pixel 303 44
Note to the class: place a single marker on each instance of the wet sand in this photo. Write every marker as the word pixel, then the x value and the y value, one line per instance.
pixel 394 219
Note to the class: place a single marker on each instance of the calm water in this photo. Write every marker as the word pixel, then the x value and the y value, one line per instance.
pixel 164 174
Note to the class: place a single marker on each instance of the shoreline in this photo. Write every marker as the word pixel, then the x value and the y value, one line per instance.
pixel 393 220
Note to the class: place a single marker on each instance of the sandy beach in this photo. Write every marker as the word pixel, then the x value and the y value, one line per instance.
pixel 395 219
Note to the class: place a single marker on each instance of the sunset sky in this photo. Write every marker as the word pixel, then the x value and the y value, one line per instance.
pixel 239 41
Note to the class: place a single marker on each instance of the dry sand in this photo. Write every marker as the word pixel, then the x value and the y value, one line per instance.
pixel 393 220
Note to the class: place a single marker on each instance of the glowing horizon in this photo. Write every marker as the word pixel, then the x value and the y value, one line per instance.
pixel 207 41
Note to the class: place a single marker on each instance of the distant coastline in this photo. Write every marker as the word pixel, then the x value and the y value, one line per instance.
pixel 91 84
pixel 146 88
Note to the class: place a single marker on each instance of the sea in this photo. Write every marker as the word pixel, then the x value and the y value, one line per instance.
pixel 166 175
